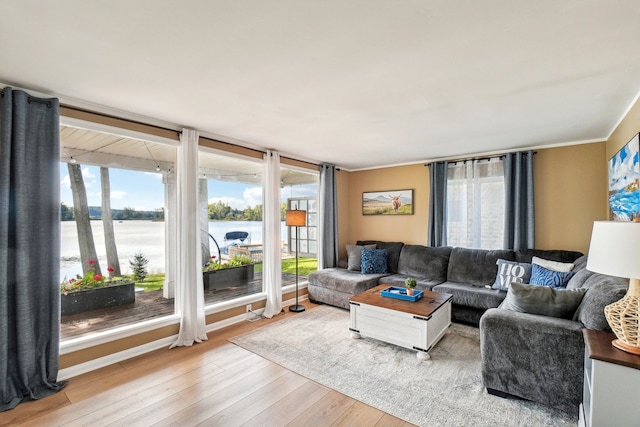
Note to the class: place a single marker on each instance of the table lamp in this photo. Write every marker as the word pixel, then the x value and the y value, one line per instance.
pixel 615 250
pixel 296 218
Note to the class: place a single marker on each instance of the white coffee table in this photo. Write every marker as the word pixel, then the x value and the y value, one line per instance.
pixel 414 325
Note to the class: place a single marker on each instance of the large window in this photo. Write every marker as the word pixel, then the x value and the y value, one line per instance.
pixel 475 204
pixel 114 195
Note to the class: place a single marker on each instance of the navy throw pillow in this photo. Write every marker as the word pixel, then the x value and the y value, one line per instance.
pixel 374 261
pixel 554 279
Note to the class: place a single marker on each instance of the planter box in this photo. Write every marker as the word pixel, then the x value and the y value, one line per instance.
pixel 95 299
pixel 227 277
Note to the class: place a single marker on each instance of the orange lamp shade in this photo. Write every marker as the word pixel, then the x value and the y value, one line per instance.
pixel 296 218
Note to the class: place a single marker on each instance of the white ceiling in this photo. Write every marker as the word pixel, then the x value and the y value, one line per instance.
pixel 357 83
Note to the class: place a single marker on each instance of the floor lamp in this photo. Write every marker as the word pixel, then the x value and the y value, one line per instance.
pixel 296 218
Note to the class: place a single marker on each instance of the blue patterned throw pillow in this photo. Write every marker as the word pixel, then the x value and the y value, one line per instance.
pixel 511 271
pixel 374 261
pixel 554 279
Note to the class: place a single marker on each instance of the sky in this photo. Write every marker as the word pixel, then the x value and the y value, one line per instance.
pixel 144 191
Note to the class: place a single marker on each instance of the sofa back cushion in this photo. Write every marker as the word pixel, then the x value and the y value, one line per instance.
pixel 476 267
pixel 526 255
pixel 419 261
pixel 393 252
pixel 602 290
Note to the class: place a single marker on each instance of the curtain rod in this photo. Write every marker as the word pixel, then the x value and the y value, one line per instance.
pixel 468 159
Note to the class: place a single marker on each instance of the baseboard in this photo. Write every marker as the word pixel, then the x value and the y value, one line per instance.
pixel 101 362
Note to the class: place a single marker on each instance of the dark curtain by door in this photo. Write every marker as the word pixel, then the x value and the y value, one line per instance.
pixel 519 229
pixel 29 247
pixel 329 216
pixel 438 203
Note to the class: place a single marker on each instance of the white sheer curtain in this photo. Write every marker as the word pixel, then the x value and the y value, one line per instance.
pixel 190 293
pixel 272 264
pixel 475 204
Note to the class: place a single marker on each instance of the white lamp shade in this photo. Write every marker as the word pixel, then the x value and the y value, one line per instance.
pixel 615 249
pixel 296 218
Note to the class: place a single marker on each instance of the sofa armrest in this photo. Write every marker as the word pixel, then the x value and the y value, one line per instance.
pixel 535 357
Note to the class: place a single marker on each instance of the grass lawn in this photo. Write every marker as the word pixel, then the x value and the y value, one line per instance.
pixel 154 282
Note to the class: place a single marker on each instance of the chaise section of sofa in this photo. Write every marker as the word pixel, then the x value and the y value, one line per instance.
pixel 334 286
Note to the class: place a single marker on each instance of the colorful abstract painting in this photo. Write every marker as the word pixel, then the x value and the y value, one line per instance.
pixel 624 183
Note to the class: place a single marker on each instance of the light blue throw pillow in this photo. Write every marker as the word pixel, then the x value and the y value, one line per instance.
pixel 511 271
pixel 554 279
pixel 374 261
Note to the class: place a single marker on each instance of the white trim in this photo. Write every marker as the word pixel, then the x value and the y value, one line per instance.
pixel 483 154
pixel 624 115
pixel 118 131
pixel 110 359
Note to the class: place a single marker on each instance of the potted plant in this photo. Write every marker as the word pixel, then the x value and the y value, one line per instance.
pixel 410 284
pixel 238 270
pixel 93 291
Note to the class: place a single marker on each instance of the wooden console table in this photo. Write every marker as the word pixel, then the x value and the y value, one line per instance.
pixel 611 383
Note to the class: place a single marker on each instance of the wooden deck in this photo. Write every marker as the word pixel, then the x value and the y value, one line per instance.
pixel 150 305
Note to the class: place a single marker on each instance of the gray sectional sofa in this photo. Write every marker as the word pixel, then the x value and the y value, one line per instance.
pixel 531 356
pixel 463 273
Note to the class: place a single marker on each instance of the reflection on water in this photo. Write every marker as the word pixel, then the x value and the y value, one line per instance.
pixel 141 236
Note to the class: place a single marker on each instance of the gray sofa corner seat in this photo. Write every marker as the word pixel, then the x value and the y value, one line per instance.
pixel 541 358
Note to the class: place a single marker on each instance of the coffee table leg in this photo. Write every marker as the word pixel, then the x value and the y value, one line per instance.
pixel 355 335
pixel 423 355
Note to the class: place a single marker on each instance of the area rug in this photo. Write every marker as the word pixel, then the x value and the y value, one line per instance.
pixel 443 391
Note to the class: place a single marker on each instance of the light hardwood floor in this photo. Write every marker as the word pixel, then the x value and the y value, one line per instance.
pixel 214 383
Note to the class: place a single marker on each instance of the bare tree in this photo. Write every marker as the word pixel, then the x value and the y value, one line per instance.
pixel 107 223
pixel 81 213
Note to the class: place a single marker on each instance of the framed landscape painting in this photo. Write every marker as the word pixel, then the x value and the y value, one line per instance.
pixel 624 183
pixel 392 202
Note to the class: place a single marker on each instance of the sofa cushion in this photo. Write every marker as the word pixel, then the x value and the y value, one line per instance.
pixel 602 291
pixel 471 296
pixel 545 277
pixel 424 262
pixel 342 280
pixel 475 266
pixel 354 256
pixel 374 261
pixel 543 300
pixel 526 255
pixel 511 271
pixel 393 252
pixel 398 280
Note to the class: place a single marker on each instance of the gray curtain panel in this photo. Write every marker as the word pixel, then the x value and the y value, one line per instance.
pixel 29 247
pixel 438 204
pixel 328 201
pixel 519 226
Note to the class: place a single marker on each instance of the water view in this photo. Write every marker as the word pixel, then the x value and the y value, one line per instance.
pixel 141 236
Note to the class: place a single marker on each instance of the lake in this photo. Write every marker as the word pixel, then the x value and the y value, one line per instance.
pixel 141 236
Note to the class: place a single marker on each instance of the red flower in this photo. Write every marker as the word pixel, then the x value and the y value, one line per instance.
pixel 110 269
pixel 213 257
pixel 72 280
pixel 91 262
pixel 97 277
